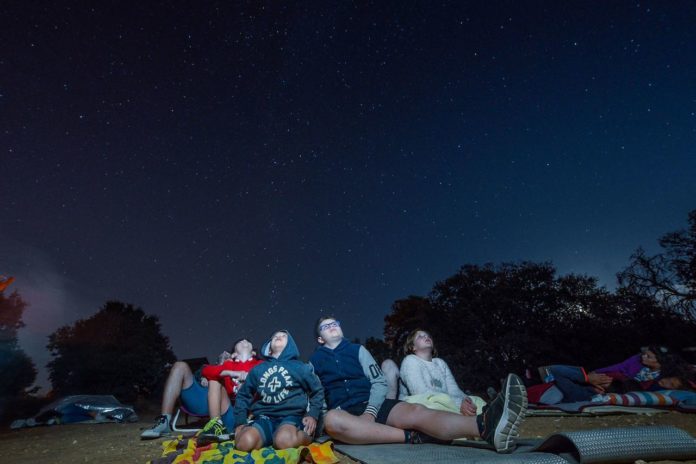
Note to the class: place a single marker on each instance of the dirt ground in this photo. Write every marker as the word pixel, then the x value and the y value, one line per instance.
pixel 121 444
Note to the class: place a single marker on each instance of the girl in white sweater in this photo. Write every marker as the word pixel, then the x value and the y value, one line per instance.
pixel 422 372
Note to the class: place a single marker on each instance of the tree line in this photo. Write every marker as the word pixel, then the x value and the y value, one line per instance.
pixel 486 320
pixel 492 319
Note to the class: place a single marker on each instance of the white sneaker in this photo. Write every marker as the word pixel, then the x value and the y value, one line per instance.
pixel 160 428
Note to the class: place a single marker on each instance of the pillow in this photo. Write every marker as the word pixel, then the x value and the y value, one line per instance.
pixel 636 399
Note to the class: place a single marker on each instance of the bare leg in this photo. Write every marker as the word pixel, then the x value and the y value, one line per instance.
pixel 391 373
pixel 289 436
pixel 438 424
pixel 225 403
pixel 248 439
pixel 180 378
pixel 404 416
pixel 215 394
pixel 348 428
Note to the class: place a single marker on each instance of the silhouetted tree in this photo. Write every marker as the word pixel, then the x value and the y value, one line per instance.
pixel 16 368
pixel 119 350
pixel 646 320
pixel 407 314
pixel 668 277
pixel 487 321
pixel 378 348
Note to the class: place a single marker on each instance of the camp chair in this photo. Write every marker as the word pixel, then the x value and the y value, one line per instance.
pixel 195 364
pixel 187 414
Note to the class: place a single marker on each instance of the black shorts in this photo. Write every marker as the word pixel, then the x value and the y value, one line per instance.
pixel 382 414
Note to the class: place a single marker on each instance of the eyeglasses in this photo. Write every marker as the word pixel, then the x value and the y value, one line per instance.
pixel 329 325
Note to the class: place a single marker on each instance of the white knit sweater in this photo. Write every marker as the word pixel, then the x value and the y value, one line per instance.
pixel 421 376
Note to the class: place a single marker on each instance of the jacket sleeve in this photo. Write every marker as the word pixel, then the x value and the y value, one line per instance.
pixel 245 396
pixel 212 371
pixel 315 392
pixel 453 389
pixel 378 388
pixel 626 368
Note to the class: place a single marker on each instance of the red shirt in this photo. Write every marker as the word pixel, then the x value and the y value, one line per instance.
pixel 212 372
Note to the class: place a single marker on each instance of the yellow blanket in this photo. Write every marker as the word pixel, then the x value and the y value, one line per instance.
pixel 443 402
pixel 184 451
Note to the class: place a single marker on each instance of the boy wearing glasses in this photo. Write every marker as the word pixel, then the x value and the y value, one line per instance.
pixel 359 413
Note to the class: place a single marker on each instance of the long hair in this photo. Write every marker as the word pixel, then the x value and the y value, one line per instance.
pixel 662 353
pixel 410 340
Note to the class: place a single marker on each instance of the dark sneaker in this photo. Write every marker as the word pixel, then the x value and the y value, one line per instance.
pixel 160 428
pixel 213 432
pixel 416 438
pixel 490 391
pixel 500 421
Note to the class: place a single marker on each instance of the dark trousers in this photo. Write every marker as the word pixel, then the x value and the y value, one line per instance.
pixel 570 380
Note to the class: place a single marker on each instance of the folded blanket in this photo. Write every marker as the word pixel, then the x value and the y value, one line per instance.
pixel 184 451
pixel 443 402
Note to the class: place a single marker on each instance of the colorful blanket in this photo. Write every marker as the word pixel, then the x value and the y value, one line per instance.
pixel 636 399
pixel 638 402
pixel 184 451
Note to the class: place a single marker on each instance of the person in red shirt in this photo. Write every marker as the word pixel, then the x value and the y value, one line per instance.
pixel 186 386
pixel 226 377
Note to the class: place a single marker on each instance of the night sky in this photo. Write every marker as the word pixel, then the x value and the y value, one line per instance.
pixel 236 167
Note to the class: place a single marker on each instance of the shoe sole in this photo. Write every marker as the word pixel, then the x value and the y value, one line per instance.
pixel 515 405
pixel 154 435
pixel 203 440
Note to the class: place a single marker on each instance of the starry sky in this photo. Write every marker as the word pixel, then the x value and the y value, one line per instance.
pixel 236 167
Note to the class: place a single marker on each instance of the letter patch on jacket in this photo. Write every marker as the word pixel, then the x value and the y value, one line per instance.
pixel 274 384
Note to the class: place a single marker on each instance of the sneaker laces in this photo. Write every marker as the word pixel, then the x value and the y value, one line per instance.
pixel 213 427
pixel 419 438
pixel 414 437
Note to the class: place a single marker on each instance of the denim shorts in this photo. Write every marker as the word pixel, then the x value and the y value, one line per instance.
pixel 267 426
pixel 195 400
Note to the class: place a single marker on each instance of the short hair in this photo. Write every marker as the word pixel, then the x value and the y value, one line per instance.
pixel 410 340
pixel 234 345
pixel 321 319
